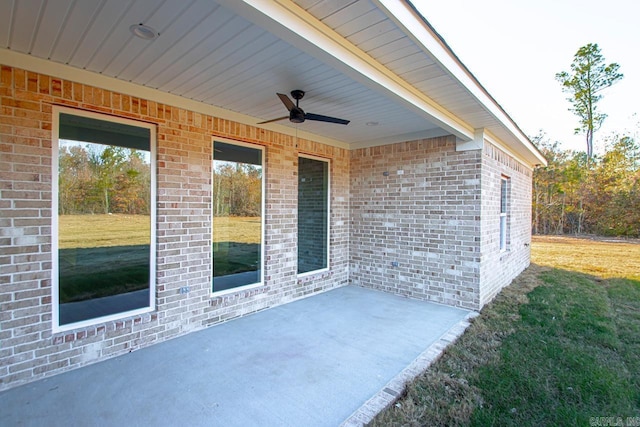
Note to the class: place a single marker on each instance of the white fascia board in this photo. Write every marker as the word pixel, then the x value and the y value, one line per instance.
pixel 413 25
pixel 66 72
pixel 291 23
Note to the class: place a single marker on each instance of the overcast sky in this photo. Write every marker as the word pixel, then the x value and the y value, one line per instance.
pixel 515 48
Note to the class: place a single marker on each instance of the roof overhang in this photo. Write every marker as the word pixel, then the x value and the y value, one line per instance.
pixel 421 88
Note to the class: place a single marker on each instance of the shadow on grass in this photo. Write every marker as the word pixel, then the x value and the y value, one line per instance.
pixel 88 273
pixel 554 348
pixel 235 257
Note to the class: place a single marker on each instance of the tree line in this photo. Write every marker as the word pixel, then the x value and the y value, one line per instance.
pixel 598 195
pixel 237 189
pixel 113 179
pixel 103 181
pixel 582 192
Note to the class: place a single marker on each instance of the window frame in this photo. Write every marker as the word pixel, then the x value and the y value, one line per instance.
pixel 55 266
pixel 328 235
pixel 263 151
pixel 504 213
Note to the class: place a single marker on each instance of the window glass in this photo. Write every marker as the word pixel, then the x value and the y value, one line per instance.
pixel 313 214
pixel 503 213
pixel 503 196
pixel 104 259
pixel 237 216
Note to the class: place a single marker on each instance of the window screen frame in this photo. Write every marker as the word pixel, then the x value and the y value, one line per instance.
pixel 327 266
pixel 55 292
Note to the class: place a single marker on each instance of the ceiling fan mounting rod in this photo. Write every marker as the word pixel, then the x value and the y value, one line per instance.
pixel 297 94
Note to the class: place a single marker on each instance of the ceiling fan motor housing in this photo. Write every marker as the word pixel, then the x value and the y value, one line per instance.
pixel 296 115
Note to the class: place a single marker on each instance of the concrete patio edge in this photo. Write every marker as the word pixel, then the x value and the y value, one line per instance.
pixel 394 388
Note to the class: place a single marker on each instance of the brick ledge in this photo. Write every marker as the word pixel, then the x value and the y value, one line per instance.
pixel 102 328
pixel 394 388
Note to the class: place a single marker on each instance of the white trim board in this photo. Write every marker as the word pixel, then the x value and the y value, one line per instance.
pixel 66 72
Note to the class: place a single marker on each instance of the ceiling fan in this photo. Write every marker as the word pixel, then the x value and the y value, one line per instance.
pixel 297 114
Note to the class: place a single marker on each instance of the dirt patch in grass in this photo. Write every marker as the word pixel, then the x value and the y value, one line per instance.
pixel 557 347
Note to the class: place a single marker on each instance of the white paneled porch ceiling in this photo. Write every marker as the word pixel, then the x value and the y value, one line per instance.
pixel 356 59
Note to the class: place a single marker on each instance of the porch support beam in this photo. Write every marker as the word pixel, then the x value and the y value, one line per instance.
pixel 477 143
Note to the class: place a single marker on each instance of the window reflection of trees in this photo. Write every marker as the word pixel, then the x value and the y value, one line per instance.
pixel 105 260
pixel 94 178
pixel 237 190
pixel 237 216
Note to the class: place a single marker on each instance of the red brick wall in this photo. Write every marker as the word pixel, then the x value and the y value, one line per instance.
pixel 498 269
pixel 415 212
pixel 413 218
pixel 28 348
pixel 425 221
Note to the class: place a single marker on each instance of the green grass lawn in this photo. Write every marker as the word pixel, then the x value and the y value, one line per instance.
pixel 104 255
pixel 559 347
pixel 95 231
pixel 87 273
pixel 236 244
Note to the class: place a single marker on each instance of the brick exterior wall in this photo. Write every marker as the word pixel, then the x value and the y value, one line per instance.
pixel 405 218
pixel 417 204
pixel 28 348
pixel 425 221
pixel 498 269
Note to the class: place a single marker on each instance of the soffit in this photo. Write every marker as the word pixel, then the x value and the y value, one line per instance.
pixel 371 28
pixel 218 54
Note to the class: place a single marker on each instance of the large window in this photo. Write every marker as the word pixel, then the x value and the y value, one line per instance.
pixel 504 200
pixel 313 214
pixel 104 216
pixel 237 215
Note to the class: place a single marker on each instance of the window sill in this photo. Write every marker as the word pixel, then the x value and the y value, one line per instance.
pixel 313 273
pixel 80 330
pixel 229 291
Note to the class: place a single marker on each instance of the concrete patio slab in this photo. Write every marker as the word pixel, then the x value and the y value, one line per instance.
pixel 313 362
